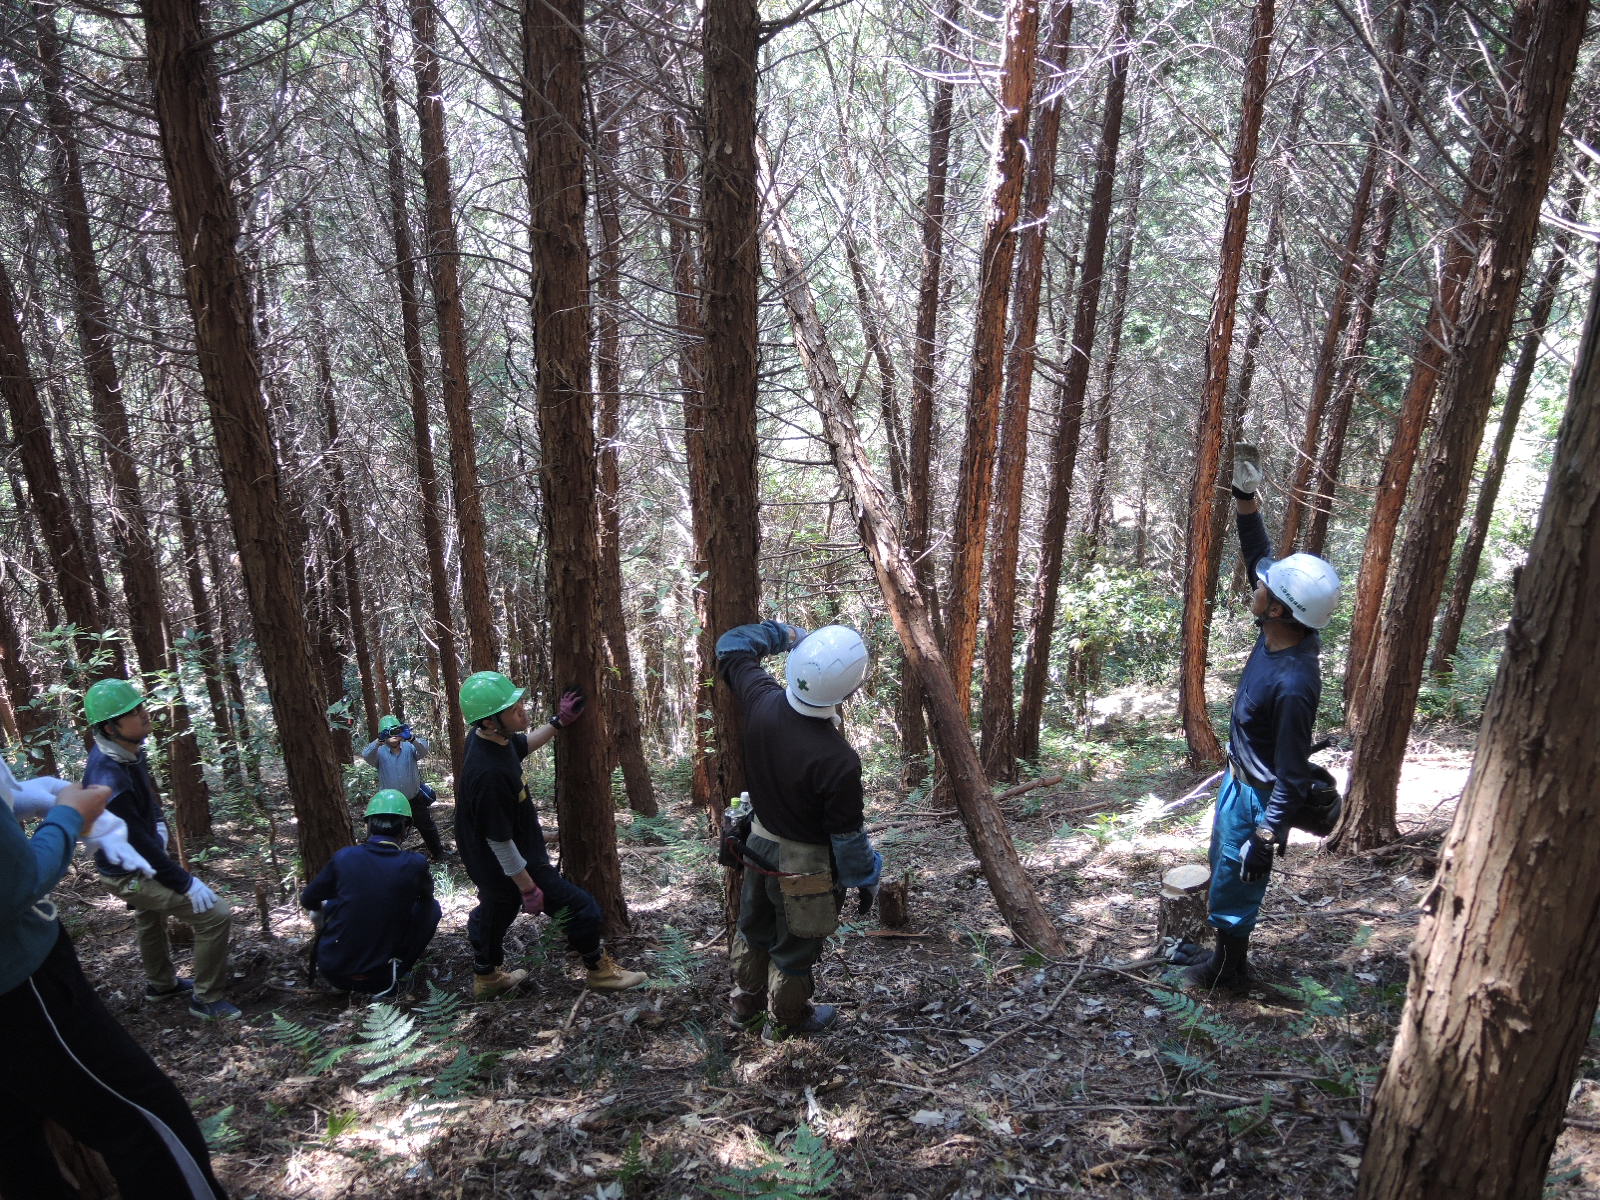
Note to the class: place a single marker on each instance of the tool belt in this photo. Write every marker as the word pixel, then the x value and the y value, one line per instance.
pixel 805 883
pixel 1318 811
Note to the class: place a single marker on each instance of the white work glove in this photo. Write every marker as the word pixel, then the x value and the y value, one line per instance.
pixel 1247 473
pixel 201 898
pixel 31 797
pixel 109 836
pixel 162 834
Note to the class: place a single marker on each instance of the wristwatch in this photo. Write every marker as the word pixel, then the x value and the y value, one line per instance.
pixel 1266 834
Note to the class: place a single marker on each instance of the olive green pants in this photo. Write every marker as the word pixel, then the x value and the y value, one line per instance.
pixel 781 933
pixel 152 904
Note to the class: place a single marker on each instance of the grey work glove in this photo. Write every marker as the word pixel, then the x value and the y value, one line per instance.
pixel 109 836
pixel 1247 473
pixel 201 898
pixel 163 834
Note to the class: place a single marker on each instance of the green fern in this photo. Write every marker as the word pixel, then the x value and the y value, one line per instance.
pixel 392 1043
pixel 307 1043
pixel 1191 1066
pixel 441 1012
pixel 807 1170
pixel 674 964
pixel 220 1136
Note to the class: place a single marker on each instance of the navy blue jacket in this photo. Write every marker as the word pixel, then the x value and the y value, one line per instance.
pixel 374 897
pixel 134 798
pixel 1276 705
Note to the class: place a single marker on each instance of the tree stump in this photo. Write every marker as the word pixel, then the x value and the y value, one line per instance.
pixel 893 901
pixel 1181 911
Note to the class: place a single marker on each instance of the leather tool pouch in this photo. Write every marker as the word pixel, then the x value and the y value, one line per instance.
pixel 809 907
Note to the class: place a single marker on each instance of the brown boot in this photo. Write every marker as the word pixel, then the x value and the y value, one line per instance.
pixel 607 976
pixel 496 983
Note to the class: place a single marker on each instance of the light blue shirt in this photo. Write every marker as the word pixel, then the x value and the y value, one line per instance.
pixel 29 868
pixel 398 769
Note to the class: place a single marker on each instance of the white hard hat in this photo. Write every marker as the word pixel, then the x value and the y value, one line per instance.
pixel 824 669
pixel 1308 585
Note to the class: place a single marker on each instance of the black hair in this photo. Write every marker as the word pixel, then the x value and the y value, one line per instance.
pixel 387 825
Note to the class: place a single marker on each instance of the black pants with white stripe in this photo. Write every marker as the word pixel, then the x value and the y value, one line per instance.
pixel 64 1057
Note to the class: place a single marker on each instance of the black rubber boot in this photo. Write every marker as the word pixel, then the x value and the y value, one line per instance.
pixel 1226 967
pixel 818 1019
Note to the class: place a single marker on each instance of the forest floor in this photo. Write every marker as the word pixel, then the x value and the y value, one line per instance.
pixel 964 1065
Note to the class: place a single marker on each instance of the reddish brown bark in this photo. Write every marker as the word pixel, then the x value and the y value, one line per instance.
pixel 730 269
pixel 444 266
pixel 22 685
pixel 207 220
pixel 980 815
pixel 1523 147
pixel 1070 397
pixel 554 119
pixel 1204 749
pixel 996 744
pixel 1002 202
pixel 1506 963
pixel 440 631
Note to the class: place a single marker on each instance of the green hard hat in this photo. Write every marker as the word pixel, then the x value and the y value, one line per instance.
pixel 389 803
pixel 387 722
pixel 108 699
pixel 487 693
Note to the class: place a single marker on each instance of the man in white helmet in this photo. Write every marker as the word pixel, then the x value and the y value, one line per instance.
pixel 1269 776
pixel 807 844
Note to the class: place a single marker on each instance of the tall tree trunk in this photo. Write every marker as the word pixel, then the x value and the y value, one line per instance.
pixel 924 378
pixel 622 697
pixel 986 828
pixel 444 265
pixel 1524 148
pixel 22 686
pixel 554 120
pixel 1070 395
pixel 679 214
pixel 136 552
pixel 441 630
pixel 47 492
pixel 346 565
pixel 1455 612
pixel 203 207
pixel 730 266
pixel 996 745
pixel 1002 201
pixel 1506 963
pixel 1204 749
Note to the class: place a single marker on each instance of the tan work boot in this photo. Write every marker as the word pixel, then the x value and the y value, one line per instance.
pixel 607 976
pixel 487 987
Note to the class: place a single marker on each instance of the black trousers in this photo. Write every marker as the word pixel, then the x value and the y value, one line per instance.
pixel 422 818
pixel 67 1059
pixel 499 902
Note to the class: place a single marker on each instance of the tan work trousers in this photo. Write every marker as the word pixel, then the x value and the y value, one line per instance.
pixel 152 904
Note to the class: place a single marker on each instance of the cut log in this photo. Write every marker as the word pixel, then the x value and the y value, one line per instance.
pixel 1181 911
pixel 893 903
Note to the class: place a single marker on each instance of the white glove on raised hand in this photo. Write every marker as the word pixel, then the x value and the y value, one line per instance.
pixel 37 796
pixel 1247 473
pixel 201 898
pixel 109 836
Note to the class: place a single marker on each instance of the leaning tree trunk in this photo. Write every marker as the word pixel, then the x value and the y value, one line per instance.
pixel 1002 202
pixel 924 374
pixel 986 828
pixel 444 264
pixel 441 631
pixel 1525 155
pixel 730 265
pixel 997 742
pixel 1506 964
pixel 1455 611
pixel 554 120
pixel 47 492
pixel 136 551
pixel 204 210
pixel 1070 396
pixel 1204 749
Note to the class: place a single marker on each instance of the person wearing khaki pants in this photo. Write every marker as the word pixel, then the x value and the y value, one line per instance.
pixel 119 723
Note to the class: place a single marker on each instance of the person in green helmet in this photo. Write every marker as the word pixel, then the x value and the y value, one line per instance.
pixel 502 845
pixel 120 725
pixel 374 903
pixel 394 754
